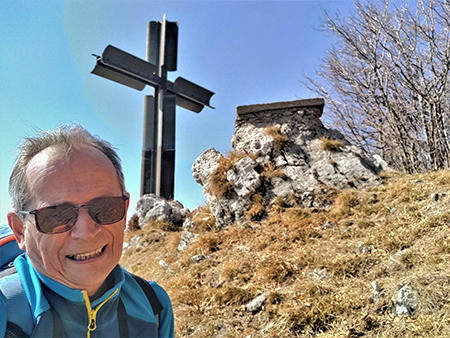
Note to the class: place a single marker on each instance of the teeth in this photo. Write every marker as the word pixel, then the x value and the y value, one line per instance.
pixel 84 256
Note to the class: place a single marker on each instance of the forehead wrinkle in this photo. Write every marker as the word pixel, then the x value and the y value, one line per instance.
pixel 55 161
pixel 41 166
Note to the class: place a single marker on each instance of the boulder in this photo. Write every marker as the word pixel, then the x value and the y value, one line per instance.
pixel 205 165
pixel 151 207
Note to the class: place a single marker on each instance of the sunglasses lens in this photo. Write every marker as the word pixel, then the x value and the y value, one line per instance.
pixel 56 219
pixel 61 218
pixel 107 210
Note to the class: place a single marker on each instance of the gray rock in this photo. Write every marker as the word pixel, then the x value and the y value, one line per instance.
pixel 397 257
pixel 205 165
pixel 163 264
pixel 187 237
pixel 256 304
pixel 320 274
pixel 327 225
pixel 251 139
pixel 151 207
pixel 377 291
pixel 364 249
pixel 381 163
pixel 244 178
pixel 199 258
pixel 132 242
pixel 404 301
pixel 436 196
pixel 227 211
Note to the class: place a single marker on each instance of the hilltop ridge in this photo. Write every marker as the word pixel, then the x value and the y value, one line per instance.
pixel 317 272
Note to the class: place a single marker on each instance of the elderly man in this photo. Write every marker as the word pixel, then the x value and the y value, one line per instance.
pixel 69 216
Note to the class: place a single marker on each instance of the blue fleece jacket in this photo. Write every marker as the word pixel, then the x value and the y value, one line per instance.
pixel 76 312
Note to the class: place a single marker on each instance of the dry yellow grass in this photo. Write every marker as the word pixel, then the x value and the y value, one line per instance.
pixel 331 145
pixel 318 283
pixel 280 140
pixel 219 185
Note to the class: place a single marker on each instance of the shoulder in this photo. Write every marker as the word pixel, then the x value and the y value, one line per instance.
pixel 14 304
pixel 166 322
pixel 161 294
pixel 138 301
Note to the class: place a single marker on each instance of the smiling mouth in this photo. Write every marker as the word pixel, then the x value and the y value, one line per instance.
pixel 87 255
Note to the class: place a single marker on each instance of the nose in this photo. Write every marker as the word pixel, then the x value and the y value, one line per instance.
pixel 85 227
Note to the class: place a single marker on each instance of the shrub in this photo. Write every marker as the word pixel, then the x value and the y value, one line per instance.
pixel 257 208
pixel 133 223
pixel 280 140
pixel 219 185
pixel 269 171
pixel 331 145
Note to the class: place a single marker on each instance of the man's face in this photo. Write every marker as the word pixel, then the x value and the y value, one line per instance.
pixel 84 256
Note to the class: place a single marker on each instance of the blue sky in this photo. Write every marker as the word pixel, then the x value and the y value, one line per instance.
pixel 247 52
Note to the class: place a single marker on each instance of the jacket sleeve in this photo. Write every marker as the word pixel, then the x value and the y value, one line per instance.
pixel 166 319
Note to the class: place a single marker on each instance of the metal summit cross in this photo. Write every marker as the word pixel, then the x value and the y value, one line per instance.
pixel 158 153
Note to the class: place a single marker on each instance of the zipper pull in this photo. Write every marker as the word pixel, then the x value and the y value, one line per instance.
pixel 92 325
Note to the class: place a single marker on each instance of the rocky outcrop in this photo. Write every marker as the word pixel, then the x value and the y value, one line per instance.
pixel 285 153
pixel 151 207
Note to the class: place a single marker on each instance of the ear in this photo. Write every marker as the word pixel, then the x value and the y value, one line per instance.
pixel 16 225
pixel 128 200
pixel 126 210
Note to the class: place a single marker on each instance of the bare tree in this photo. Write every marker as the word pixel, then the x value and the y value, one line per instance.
pixel 386 81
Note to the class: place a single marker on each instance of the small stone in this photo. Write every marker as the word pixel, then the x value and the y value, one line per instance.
pixel 163 264
pixel 327 225
pixel 320 274
pixel 199 258
pixel 435 197
pixel 256 304
pixel 376 291
pixel 364 249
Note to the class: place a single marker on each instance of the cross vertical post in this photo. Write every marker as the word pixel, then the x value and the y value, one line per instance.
pixel 158 143
pixel 158 157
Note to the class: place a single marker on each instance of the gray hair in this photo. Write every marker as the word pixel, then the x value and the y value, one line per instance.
pixel 67 138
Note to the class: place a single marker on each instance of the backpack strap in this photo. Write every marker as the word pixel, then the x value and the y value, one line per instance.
pixel 123 320
pixel 8 271
pixel 9 250
pixel 14 331
pixel 150 293
pixel 7 239
pixel 20 321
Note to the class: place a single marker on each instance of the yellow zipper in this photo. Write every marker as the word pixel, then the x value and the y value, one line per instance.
pixel 92 313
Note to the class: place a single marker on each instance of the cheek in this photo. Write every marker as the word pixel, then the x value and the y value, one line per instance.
pixel 118 235
pixel 41 249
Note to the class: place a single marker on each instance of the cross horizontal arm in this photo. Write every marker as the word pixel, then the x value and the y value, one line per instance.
pixel 129 70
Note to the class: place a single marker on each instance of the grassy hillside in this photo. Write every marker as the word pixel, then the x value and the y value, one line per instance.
pixel 316 267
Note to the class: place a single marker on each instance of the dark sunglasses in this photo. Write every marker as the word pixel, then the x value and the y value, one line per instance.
pixel 61 218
